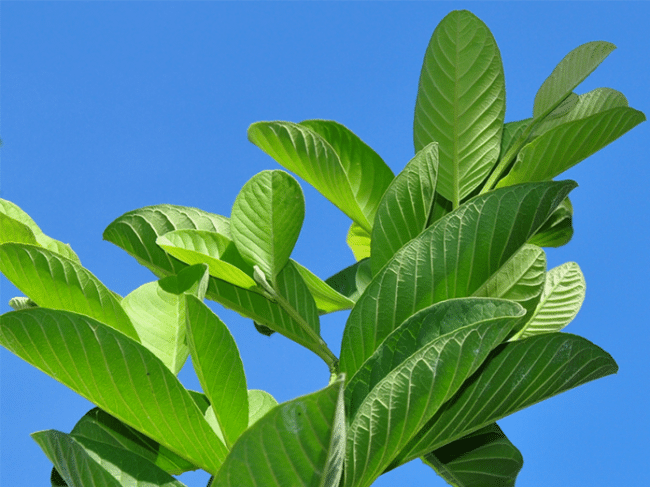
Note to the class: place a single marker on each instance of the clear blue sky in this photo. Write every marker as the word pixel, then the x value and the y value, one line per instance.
pixel 111 106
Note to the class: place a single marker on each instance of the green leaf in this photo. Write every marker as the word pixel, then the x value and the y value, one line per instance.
pixel 14 231
pixel 213 249
pixel 562 297
pixel 259 403
pixel 294 294
pixel 219 368
pixel 327 299
pixel 484 458
pixel 21 302
pixel 157 310
pixel 413 372
pixel 99 426
pixel 358 239
pixel 461 103
pixel 568 74
pixel 266 219
pixel 332 159
pixel 83 462
pixel 521 279
pixel 406 206
pixel 558 229
pixel 53 281
pixel 137 231
pixel 299 443
pixel 118 374
pixel 526 372
pixel 12 211
pixel 564 146
pixel 345 281
pixel 452 258
pixel 511 133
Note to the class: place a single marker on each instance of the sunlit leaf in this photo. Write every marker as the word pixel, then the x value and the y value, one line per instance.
pixel 358 239
pixel 327 298
pixel 461 103
pixel 14 231
pixel 259 403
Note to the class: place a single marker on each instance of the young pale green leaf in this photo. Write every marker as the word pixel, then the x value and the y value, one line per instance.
pixel 83 462
pixel 266 219
pixel 358 239
pixel 327 298
pixel 568 74
pixel 564 146
pixel 583 106
pixel 406 206
pixel 526 372
pixel 21 302
pixel 53 281
pixel 259 403
pixel 461 103
pixel 422 364
pixel 562 297
pixel 118 374
pixel 558 229
pixel 452 258
pixel 300 443
pixel 332 159
pixel 137 231
pixel 11 210
pixel 101 427
pixel 483 458
pixel 521 279
pixel 213 249
pixel 218 366
pixel 157 311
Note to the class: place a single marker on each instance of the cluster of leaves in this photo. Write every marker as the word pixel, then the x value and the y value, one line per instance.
pixel 454 317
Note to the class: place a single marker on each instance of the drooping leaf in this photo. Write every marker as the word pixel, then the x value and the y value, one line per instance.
pixel 413 372
pixel 568 74
pixel 358 239
pixel 100 426
pixel 558 229
pixel 137 231
pixel 562 297
pixel 327 298
pixel 266 219
pixel 14 212
pixel 300 443
pixel 118 374
pixel 353 179
pixel 521 279
pixel 452 258
pixel 461 103
pixel 564 146
pixel 157 310
pixel 484 458
pixel 54 281
pixel 526 372
pixel 213 249
pixel 83 462
pixel 259 403
pixel 218 366
pixel 406 206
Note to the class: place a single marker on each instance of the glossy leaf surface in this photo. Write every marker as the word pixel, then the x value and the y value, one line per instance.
pixel 118 374
pixel 406 206
pixel 461 103
pixel 452 258
pixel 298 443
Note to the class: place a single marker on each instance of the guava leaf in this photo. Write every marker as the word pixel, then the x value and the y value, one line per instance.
pixel 358 239
pixel 327 298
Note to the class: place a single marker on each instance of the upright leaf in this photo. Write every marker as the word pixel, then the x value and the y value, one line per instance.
pixel 484 458
pixel 406 207
pixel 568 74
pixel 562 297
pixel 332 159
pixel 118 374
pixel 558 229
pixel 461 103
pixel 219 368
pixel 452 258
pixel 345 281
pixel 292 289
pixel 266 219
pixel 358 239
pixel 157 310
pixel 53 281
pixel 298 443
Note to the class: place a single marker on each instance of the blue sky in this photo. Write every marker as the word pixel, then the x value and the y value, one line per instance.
pixel 111 106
